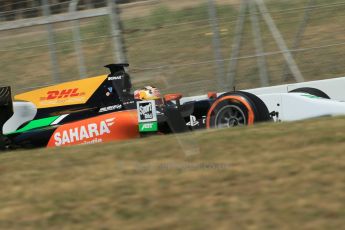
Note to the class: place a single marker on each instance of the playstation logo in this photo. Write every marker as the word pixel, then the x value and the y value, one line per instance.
pixel 192 122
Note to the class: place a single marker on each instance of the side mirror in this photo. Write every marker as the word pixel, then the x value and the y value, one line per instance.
pixel 173 97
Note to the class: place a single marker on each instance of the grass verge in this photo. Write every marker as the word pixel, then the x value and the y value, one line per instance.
pixel 269 176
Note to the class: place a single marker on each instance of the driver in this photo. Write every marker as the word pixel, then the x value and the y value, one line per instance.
pixel 148 93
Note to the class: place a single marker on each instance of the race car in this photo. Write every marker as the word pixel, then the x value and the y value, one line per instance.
pixel 103 108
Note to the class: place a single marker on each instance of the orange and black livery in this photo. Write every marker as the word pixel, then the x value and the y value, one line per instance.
pixel 103 108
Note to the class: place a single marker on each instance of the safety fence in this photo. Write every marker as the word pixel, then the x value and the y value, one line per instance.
pixel 187 46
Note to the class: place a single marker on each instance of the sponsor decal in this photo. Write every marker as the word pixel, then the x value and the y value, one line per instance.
pixel 84 132
pixel 107 127
pixel 148 127
pixel 128 102
pixel 65 93
pixel 110 108
pixel 69 93
pixel 203 120
pixel 192 121
pixel 147 116
pixel 146 111
pixel 115 78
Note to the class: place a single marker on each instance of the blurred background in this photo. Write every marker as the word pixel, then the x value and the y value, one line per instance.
pixel 188 46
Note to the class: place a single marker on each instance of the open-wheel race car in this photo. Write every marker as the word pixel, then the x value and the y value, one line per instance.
pixel 103 108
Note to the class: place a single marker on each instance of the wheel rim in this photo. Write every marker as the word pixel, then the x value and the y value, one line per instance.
pixel 230 116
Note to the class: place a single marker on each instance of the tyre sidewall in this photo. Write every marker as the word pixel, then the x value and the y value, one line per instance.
pixel 221 105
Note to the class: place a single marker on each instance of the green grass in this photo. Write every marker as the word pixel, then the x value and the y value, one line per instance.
pixel 270 176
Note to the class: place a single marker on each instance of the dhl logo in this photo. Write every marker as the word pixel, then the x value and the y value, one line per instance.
pixel 69 93
pixel 65 93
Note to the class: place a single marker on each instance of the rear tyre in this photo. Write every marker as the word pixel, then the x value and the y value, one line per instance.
pixel 311 91
pixel 4 143
pixel 236 109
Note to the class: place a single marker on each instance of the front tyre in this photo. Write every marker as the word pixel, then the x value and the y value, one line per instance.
pixel 236 109
pixel 230 115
